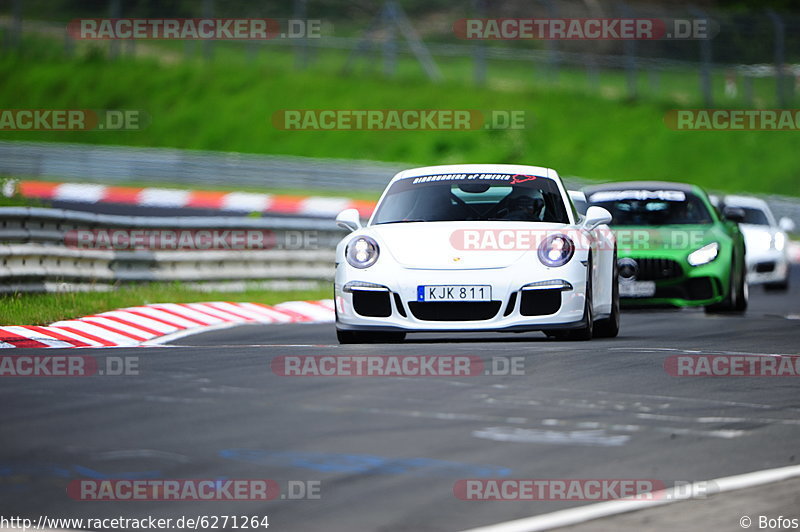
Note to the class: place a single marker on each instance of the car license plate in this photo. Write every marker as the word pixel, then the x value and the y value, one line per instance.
pixel 637 288
pixel 454 292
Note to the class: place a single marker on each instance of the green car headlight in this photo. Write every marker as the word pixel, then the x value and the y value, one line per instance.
pixel 704 255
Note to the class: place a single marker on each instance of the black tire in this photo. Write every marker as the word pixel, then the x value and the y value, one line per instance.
pixel 738 295
pixel 609 327
pixel 742 293
pixel 348 337
pixel 369 337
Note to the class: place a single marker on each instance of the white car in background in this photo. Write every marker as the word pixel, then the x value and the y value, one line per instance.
pixel 766 241
pixel 476 247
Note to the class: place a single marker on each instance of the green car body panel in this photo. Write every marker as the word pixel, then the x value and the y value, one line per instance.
pixel 663 251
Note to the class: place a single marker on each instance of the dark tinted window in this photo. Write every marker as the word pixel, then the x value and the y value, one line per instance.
pixel 652 207
pixel 472 197
pixel 754 216
pixel 580 206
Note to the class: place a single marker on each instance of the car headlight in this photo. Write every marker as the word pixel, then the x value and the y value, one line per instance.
pixel 556 250
pixel 779 241
pixel 704 255
pixel 362 252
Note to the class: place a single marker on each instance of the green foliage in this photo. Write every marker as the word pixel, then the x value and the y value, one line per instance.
pixel 229 104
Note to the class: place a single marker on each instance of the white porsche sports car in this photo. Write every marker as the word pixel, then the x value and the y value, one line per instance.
pixel 766 240
pixel 476 247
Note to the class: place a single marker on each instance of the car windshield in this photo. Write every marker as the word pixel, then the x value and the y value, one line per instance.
pixel 754 216
pixel 652 207
pixel 472 197
pixel 580 205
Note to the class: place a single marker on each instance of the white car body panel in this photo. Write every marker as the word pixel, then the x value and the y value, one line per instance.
pixel 421 253
pixel 764 244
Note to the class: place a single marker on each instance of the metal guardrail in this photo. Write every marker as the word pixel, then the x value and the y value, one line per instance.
pixel 35 255
pixel 783 206
pixel 90 163
pixel 109 164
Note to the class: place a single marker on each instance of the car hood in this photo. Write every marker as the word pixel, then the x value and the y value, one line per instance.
pixel 440 245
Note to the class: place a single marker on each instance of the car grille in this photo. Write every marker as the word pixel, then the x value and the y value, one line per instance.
pixel 540 302
pixel 454 310
pixel 765 267
pixel 654 269
pixel 370 303
pixel 694 289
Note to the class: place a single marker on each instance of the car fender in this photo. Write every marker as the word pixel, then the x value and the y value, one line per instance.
pixel 603 246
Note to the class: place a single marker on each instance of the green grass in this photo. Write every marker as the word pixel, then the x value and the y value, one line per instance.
pixel 19 201
pixel 228 104
pixel 43 309
pixel 14 199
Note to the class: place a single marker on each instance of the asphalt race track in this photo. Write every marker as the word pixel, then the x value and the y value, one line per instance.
pixel 389 450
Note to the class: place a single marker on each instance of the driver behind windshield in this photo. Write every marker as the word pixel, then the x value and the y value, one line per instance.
pixel 525 209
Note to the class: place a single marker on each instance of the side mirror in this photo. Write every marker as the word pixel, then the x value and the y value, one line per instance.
pixel 786 224
pixel 596 216
pixel 734 214
pixel 349 219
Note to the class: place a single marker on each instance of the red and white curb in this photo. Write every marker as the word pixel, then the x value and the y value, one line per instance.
pixel 158 323
pixel 199 199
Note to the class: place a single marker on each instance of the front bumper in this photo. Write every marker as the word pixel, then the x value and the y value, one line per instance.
pixel 680 285
pixel 767 267
pixel 392 303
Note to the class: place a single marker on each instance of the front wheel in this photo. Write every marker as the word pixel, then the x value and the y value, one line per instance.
pixel 738 295
pixel 743 294
pixel 609 327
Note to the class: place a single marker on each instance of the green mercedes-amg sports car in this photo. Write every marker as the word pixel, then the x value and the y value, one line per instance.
pixel 674 247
